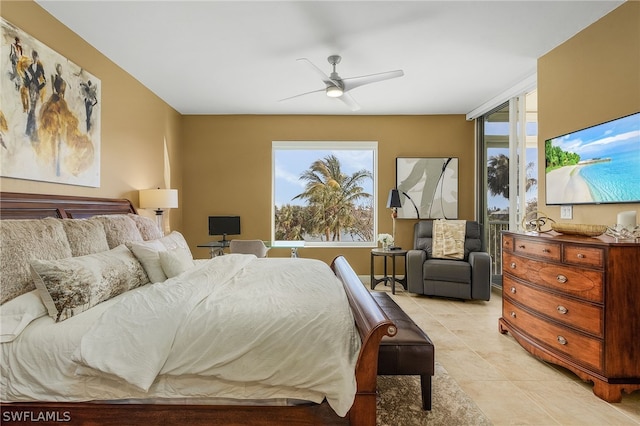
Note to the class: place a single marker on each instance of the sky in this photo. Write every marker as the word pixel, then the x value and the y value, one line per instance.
pixel 291 164
pixel 598 140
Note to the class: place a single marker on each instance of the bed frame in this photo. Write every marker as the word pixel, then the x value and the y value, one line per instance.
pixel 370 320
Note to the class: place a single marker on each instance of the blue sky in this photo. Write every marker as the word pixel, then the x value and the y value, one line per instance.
pixel 291 164
pixel 596 141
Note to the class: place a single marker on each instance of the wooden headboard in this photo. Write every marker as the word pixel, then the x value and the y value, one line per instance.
pixel 15 205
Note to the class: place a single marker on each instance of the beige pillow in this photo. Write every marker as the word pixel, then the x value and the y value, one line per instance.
pixel 85 236
pixel 120 229
pixel 22 240
pixel 175 261
pixel 71 286
pixel 148 227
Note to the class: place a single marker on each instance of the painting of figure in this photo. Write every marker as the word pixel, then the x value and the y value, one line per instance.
pixel 49 114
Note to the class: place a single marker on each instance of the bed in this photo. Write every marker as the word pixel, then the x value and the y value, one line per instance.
pixel 369 325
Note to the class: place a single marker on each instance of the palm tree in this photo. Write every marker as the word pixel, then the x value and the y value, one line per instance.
pixel 498 175
pixel 332 196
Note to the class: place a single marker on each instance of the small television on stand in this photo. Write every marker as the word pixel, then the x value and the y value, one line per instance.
pixel 224 225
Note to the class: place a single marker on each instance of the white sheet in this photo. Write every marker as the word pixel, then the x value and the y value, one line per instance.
pixel 216 336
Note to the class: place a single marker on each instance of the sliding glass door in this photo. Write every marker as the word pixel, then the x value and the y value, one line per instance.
pixel 509 188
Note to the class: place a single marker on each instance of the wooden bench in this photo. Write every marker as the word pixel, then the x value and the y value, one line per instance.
pixel 409 352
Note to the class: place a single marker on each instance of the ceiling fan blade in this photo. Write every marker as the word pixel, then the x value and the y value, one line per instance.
pixel 302 94
pixel 325 78
pixel 349 101
pixel 353 82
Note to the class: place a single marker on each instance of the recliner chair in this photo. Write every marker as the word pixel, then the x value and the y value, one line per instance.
pixel 468 278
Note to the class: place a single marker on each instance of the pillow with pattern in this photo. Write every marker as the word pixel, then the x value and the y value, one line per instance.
pixel 71 286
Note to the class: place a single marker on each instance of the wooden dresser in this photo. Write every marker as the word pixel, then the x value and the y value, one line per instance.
pixel 575 301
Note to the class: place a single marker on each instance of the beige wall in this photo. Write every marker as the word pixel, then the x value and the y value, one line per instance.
pixel 135 122
pixel 592 78
pixel 222 164
pixel 228 167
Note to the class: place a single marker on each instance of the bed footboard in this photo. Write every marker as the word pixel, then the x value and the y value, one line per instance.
pixel 372 324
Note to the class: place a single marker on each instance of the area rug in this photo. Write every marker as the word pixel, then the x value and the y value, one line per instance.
pixel 399 402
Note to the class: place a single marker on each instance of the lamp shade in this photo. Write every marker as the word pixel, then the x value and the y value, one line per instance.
pixel 394 199
pixel 158 198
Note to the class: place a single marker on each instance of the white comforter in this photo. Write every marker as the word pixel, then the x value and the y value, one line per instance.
pixel 260 328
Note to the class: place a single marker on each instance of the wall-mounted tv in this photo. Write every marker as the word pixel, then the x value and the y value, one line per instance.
pixel 224 225
pixel 596 165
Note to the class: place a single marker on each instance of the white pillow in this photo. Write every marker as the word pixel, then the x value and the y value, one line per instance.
pixel 16 314
pixel 173 240
pixel 176 261
pixel 147 254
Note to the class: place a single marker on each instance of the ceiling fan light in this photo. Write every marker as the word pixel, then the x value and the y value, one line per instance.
pixel 334 91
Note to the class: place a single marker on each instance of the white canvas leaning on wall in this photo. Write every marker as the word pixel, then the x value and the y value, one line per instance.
pixel 432 185
pixel 49 113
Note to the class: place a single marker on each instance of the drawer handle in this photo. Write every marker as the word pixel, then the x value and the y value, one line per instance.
pixel 521 246
pixel 581 256
pixel 561 309
pixel 513 265
pixel 562 279
pixel 562 340
pixel 513 290
pixel 546 250
pixel 513 314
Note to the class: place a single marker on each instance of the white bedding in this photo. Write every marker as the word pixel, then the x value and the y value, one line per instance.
pixel 234 327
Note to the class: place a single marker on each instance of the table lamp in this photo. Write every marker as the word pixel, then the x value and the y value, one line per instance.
pixel 393 203
pixel 159 199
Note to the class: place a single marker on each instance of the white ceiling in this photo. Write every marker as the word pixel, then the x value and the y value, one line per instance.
pixel 239 57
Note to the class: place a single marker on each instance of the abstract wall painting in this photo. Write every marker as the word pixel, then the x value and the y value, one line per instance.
pixel 49 113
pixel 428 186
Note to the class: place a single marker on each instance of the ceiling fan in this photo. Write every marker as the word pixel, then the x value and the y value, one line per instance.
pixel 337 87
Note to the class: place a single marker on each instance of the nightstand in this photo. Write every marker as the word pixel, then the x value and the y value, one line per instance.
pixel 386 278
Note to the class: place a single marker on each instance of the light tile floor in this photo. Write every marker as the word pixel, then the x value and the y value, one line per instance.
pixel 509 385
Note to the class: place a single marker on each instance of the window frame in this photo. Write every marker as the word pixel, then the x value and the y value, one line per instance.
pixel 326 146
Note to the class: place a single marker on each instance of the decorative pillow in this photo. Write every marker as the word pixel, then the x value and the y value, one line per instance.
pixel 148 227
pixel 23 240
pixel 175 261
pixel 448 239
pixel 174 240
pixel 85 236
pixel 16 314
pixel 147 254
pixel 71 286
pixel 120 229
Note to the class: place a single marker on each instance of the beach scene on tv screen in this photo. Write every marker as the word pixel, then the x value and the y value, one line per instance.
pixel 600 164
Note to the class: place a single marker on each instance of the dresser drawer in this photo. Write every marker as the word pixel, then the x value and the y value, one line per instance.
pixel 539 249
pixel 507 242
pixel 584 283
pixel 584 316
pixel 583 349
pixel 583 256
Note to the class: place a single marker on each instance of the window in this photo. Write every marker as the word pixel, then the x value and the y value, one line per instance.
pixel 324 193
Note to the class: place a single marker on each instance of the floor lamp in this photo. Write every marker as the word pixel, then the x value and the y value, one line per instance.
pixel 159 199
